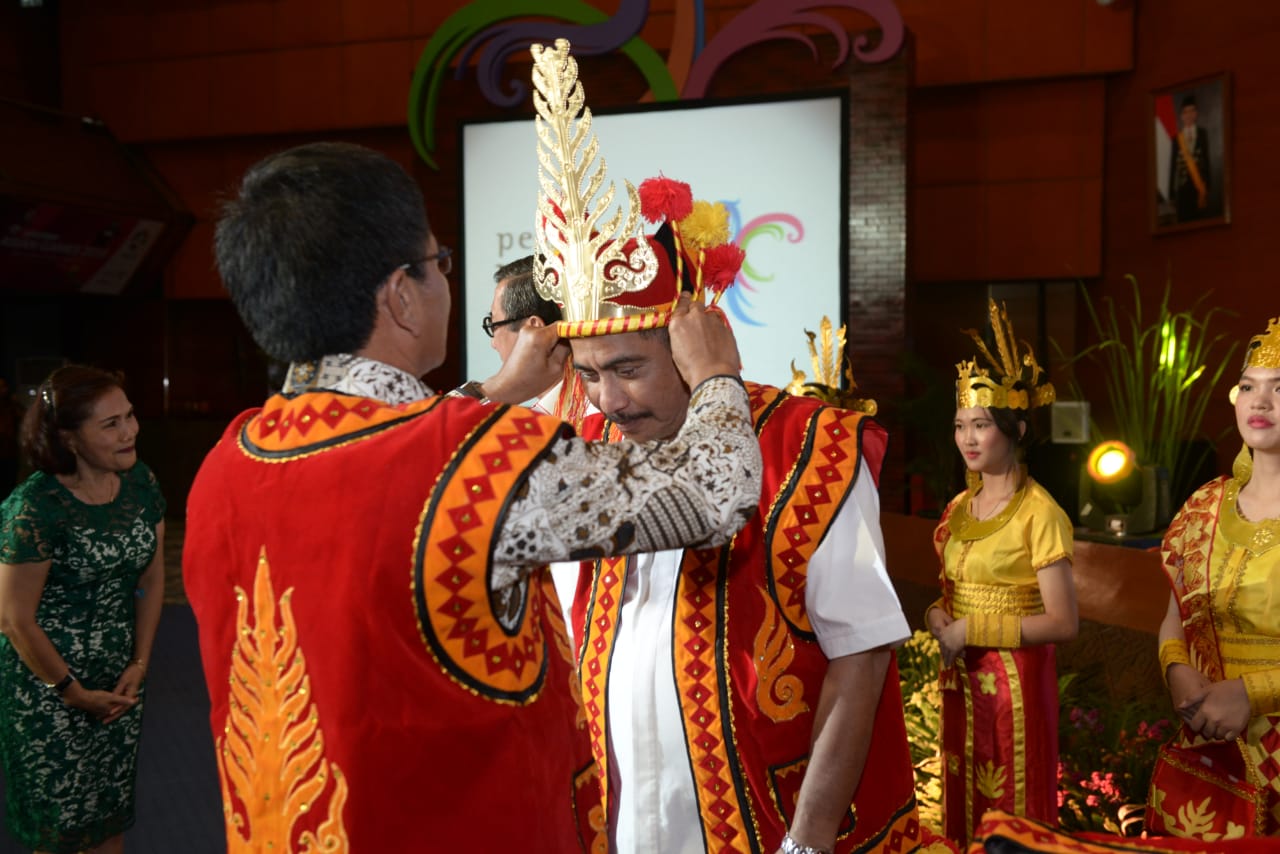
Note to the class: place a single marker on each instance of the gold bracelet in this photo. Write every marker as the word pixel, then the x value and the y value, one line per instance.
pixel 1263 688
pixel 993 631
pixel 142 665
pixel 1173 651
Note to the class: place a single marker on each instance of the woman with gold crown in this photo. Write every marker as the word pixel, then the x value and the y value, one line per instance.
pixel 1005 550
pixel 1220 639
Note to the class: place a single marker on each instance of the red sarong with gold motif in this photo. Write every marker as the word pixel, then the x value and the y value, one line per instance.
pixel 999 706
pixel 370 690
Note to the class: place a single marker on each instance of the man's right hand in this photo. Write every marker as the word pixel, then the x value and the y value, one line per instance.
pixel 536 364
pixel 702 344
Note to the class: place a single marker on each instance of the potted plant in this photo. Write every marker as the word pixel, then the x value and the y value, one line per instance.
pixel 1160 371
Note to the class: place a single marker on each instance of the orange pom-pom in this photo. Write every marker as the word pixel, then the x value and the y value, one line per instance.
pixel 663 198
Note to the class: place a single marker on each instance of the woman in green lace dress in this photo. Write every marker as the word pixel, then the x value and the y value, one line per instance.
pixel 81 587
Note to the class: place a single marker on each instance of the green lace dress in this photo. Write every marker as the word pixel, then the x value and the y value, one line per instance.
pixel 69 778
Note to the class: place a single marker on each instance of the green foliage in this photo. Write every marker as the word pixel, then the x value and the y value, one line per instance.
pixel 1160 375
pixel 1106 753
pixel 918 662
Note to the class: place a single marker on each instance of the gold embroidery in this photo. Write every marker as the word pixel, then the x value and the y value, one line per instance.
pixel 990 780
pixel 779 696
pixel 1257 537
pixel 272 755
pixel 987 683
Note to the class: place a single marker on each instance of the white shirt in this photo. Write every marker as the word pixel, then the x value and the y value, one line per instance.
pixel 852 607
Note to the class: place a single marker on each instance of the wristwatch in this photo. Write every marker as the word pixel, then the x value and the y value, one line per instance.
pixel 470 389
pixel 63 684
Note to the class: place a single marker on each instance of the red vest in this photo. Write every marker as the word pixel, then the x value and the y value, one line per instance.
pixel 369 691
pixel 747 663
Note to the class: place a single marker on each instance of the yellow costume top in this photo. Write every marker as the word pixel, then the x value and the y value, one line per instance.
pixel 1244 580
pixel 990 565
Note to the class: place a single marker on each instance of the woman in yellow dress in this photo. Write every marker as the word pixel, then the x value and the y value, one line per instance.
pixel 1005 548
pixel 1220 639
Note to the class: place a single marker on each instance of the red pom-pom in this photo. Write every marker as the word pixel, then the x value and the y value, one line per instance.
pixel 720 266
pixel 662 198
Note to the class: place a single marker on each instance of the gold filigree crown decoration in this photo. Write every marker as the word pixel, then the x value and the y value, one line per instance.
pixel 826 372
pixel 610 277
pixel 1264 349
pixel 579 262
pixel 976 386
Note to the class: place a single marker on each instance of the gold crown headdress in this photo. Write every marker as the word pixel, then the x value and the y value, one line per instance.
pixel 977 387
pixel 1264 349
pixel 607 278
pixel 1263 352
pixel 826 373
pixel 580 263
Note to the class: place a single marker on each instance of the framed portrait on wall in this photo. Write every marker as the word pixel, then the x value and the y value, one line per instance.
pixel 1190 154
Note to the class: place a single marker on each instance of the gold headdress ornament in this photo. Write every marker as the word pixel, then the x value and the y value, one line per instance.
pixel 1264 349
pixel 1263 352
pixel 826 373
pixel 609 277
pixel 977 387
pixel 579 262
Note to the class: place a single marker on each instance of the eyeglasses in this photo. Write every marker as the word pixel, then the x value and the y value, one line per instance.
pixel 489 324
pixel 443 259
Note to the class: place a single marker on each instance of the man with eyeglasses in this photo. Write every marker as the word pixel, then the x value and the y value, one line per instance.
pixel 516 304
pixel 364 556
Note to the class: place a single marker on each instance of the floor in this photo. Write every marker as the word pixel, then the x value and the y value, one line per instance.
pixel 178 803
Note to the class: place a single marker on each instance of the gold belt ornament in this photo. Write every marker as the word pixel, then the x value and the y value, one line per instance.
pixel 969 598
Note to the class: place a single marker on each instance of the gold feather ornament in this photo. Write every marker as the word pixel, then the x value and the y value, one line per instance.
pixel 826 385
pixel 976 386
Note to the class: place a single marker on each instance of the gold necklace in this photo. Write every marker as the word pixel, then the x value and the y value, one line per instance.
pixel 981 516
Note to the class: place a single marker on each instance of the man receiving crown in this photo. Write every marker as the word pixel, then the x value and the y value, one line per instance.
pixel 731 692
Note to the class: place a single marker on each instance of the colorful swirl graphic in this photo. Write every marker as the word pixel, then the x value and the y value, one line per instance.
pixel 776 226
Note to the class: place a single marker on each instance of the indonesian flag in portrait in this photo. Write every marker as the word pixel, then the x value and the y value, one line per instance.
pixel 1166 146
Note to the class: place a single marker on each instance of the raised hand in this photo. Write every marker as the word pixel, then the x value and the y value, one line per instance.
pixel 702 344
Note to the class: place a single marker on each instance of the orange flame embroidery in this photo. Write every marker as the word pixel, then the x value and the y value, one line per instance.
pixel 272 752
pixel 779 696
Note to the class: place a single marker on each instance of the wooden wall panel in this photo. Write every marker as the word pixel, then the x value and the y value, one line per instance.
pixel 308 23
pixel 1007 180
pixel 246 99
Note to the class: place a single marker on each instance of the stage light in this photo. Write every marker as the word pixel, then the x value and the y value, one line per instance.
pixel 1118 496
pixel 1111 462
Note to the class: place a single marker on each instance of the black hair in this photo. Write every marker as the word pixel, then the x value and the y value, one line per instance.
pixel 1187 101
pixel 314 233
pixel 1007 421
pixel 63 402
pixel 520 298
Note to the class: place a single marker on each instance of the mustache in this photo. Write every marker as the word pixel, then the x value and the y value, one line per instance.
pixel 622 418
